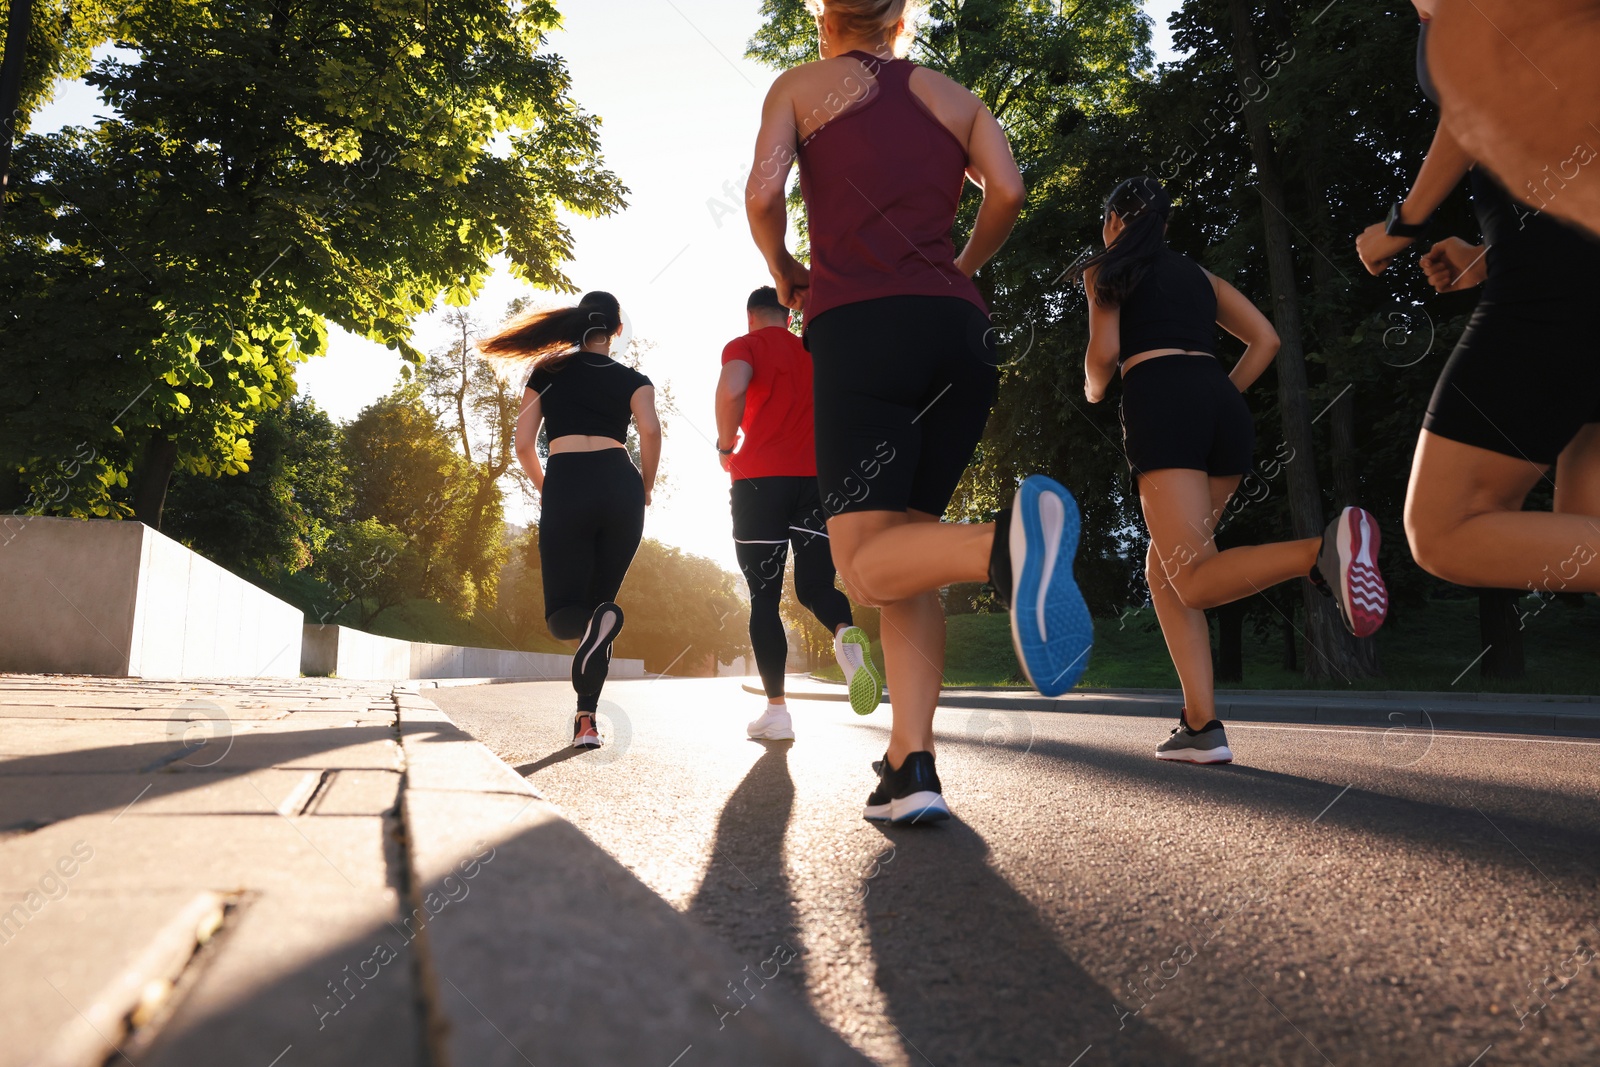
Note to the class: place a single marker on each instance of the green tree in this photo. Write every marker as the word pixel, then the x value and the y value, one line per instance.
pixel 275 518
pixel 478 409
pixel 272 167
pixel 367 567
pixel 407 475
pixel 684 611
pixel 44 42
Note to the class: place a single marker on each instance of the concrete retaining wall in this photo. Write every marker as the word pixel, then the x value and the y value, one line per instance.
pixel 354 654
pixel 122 600
pixel 339 650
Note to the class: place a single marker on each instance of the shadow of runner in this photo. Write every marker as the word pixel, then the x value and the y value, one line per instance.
pixel 973 977
pixel 745 897
pixel 566 752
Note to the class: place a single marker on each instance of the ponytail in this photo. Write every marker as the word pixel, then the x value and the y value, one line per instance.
pixel 548 337
pixel 1144 206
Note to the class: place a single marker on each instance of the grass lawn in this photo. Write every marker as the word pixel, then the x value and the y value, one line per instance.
pixel 1424 649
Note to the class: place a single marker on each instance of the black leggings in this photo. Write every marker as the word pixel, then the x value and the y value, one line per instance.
pixel 590 523
pixel 770 514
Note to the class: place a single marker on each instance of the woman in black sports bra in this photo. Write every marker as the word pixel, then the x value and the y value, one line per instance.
pixel 1518 402
pixel 592 498
pixel 1153 315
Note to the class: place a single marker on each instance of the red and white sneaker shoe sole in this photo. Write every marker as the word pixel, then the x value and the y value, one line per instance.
pixel 1366 598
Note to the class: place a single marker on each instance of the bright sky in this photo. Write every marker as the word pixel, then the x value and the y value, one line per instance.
pixel 680 106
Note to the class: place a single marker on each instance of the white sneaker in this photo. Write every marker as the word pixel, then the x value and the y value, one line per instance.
pixel 774 724
pixel 853 651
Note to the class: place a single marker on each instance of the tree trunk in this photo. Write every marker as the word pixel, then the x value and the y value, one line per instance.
pixel 1332 330
pixel 1500 635
pixel 1291 637
pixel 18 26
pixel 1230 642
pixel 1331 654
pixel 12 497
pixel 152 478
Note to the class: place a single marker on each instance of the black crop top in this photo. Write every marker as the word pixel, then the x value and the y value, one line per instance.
pixel 587 393
pixel 1173 306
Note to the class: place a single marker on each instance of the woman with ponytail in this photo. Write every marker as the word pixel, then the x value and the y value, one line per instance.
pixel 1153 315
pixel 904 367
pixel 592 498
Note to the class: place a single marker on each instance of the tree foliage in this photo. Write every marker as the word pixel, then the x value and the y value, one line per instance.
pixel 272 167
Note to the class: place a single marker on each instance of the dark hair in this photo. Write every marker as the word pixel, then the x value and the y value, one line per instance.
pixel 1144 206
pixel 765 299
pixel 548 336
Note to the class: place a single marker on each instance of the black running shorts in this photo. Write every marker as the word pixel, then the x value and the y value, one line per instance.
pixel 1184 411
pixel 774 510
pixel 1522 381
pixel 903 386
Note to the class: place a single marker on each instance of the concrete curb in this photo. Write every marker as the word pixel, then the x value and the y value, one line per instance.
pixel 540 947
pixel 1305 707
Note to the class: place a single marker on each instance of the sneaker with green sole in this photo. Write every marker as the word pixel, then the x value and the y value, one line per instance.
pixel 853 649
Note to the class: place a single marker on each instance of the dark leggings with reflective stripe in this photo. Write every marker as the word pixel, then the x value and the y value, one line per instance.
pixel 762 564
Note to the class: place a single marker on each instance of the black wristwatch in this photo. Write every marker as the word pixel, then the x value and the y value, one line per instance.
pixel 725 451
pixel 1394 227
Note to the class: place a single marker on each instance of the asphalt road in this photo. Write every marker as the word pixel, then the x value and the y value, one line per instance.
pixel 1336 896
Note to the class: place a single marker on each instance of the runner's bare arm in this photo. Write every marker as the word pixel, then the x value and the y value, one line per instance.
pixel 764 198
pixel 1237 315
pixel 991 167
pixel 643 404
pixel 731 389
pixel 1105 343
pixel 527 438
pixel 1442 170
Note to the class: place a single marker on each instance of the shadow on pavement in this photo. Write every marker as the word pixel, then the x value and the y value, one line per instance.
pixel 565 752
pixel 1500 824
pixel 1478 831
pixel 948 930
pixel 745 897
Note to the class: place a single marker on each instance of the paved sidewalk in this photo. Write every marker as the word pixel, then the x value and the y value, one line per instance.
pixel 325 872
pixel 1557 715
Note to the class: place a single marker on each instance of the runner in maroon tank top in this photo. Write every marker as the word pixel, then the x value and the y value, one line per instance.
pixel 904 365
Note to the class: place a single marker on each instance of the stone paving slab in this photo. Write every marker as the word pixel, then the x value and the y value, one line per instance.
pixel 337 875
pixel 261 792
pixel 79 998
pixel 602 971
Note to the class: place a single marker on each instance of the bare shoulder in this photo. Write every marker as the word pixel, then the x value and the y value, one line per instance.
pixel 824 89
pixel 953 104
pixel 933 83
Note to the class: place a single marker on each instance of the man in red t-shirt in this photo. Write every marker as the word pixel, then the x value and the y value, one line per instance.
pixel 765 395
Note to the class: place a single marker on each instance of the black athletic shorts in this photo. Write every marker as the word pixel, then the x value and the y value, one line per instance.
pixel 1184 411
pixel 776 510
pixel 903 386
pixel 1522 381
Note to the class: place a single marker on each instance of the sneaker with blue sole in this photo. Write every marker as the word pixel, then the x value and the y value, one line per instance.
pixel 909 793
pixel 1050 624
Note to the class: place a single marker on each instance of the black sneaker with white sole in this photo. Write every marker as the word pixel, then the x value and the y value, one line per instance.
pixel 1209 744
pixel 907 794
pixel 592 660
